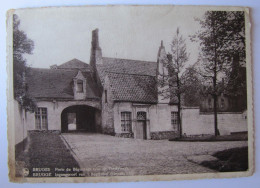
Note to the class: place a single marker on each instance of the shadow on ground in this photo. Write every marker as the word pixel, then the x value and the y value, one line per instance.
pixel 46 153
pixel 231 160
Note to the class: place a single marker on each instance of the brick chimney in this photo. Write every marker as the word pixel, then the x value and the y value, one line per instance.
pixel 95 57
pixel 96 52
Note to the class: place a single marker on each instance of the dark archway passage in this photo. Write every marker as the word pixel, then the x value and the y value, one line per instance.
pixel 79 118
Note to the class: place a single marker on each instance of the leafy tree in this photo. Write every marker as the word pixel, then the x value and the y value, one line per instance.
pixel 192 86
pixel 221 38
pixel 21 45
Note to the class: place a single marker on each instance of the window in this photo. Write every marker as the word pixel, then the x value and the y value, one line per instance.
pixel 79 86
pixel 105 96
pixel 210 103
pixel 174 120
pixel 222 103
pixel 126 121
pixel 41 119
pixel 141 116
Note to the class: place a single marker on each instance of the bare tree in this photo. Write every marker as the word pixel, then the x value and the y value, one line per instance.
pixel 175 63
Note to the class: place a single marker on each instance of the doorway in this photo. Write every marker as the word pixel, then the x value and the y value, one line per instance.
pixel 141 125
pixel 78 118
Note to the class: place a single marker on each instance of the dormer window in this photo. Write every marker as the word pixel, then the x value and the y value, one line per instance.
pixel 79 86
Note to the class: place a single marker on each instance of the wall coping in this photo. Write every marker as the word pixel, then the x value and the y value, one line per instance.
pixel 190 107
pixel 39 99
pixel 209 113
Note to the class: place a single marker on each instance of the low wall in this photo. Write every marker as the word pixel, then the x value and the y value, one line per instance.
pixel 164 135
pixel 196 123
pixel 20 128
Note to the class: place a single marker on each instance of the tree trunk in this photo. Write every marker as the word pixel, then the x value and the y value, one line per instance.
pixel 179 116
pixel 216 115
pixel 178 86
pixel 215 97
pixel 179 107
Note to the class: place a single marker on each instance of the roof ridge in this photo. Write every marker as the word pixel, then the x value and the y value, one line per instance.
pixel 128 73
pixel 136 60
pixel 73 63
pixel 74 59
pixel 59 70
pixel 37 68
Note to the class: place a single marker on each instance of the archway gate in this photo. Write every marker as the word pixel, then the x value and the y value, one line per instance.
pixel 80 118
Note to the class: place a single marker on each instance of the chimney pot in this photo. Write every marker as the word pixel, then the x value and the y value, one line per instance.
pixel 95 41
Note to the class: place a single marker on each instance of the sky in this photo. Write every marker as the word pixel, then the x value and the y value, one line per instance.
pixel 61 34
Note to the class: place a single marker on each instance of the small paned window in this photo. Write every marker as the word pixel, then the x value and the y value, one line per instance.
pixel 174 120
pixel 79 86
pixel 210 103
pixel 141 115
pixel 41 119
pixel 126 123
pixel 222 103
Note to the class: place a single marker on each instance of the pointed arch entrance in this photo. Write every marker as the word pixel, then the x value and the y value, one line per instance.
pixel 80 118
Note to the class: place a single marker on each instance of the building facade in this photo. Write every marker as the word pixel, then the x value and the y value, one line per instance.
pixel 109 95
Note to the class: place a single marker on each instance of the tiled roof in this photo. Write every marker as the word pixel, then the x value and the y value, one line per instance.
pixel 133 87
pixel 131 80
pixel 57 83
pixel 126 66
pixel 74 64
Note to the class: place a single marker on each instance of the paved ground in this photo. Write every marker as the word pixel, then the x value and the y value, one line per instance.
pixel 46 151
pixel 101 155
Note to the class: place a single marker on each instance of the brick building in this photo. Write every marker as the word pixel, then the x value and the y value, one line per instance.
pixel 108 95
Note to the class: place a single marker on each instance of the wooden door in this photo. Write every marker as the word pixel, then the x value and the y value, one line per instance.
pixel 140 130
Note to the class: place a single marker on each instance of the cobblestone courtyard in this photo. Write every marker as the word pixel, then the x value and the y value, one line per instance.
pixel 102 155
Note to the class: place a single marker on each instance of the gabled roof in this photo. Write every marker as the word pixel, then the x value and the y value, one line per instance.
pixel 133 87
pixel 126 66
pixel 57 83
pixel 80 76
pixel 74 64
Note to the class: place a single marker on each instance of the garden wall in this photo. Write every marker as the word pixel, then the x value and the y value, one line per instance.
pixel 196 123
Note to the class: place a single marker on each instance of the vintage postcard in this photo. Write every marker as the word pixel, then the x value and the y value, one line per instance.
pixel 129 93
